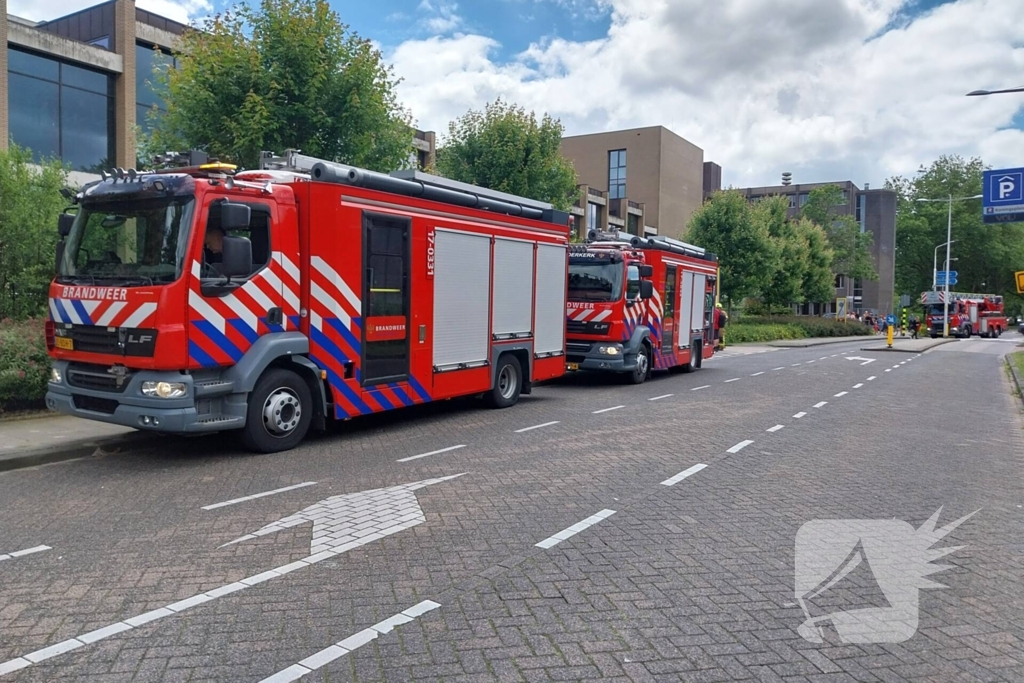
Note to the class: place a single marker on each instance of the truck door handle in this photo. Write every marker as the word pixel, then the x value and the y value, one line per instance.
pixel 275 316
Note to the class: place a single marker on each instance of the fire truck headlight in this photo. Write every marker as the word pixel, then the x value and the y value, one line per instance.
pixel 55 375
pixel 613 350
pixel 164 389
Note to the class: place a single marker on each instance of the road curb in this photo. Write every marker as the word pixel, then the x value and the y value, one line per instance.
pixel 815 342
pixel 922 349
pixel 67 451
pixel 1015 375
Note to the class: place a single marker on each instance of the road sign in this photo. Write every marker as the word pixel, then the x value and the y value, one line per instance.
pixel 841 309
pixel 1003 195
pixel 1019 275
pixel 890 319
pixel 904 300
pixel 942 275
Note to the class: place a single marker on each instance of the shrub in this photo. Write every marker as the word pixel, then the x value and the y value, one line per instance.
pixel 764 329
pixel 24 364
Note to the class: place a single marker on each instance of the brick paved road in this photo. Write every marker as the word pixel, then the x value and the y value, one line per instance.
pixel 693 581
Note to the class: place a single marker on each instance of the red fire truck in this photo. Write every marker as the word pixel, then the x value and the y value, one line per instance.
pixel 198 299
pixel 980 314
pixel 637 305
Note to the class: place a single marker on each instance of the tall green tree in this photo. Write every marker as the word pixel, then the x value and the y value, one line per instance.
pixel 818 278
pixel 851 248
pixel 30 202
pixel 283 74
pixel 725 225
pixel 790 249
pixel 506 148
pixel 986 254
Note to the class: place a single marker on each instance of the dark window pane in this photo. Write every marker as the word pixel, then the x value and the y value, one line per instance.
pixel 103 42
pixel 34 120
pixel 84 125
pixel 92 81
pixel 32 65
pixel 146 117
pixel 148 62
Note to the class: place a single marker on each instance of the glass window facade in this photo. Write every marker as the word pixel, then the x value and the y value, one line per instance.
pixel 149 102
pixel 617 174
pixel 60 110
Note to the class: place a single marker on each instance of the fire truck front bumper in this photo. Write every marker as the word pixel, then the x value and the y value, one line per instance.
pixel 600 356
pixel 148 400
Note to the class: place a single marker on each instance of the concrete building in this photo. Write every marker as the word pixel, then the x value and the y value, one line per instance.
pixel 76 87
pixel 651 166
pixel 875 212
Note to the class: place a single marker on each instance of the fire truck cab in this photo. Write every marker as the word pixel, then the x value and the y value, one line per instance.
pixel 199 299
pixel 637 305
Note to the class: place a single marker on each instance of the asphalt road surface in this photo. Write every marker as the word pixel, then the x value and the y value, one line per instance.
pixel 594 531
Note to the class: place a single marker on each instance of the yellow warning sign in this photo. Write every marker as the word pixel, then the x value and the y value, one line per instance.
pixel 1019 275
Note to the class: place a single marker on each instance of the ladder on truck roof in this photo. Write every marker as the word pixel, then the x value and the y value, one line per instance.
pixel 674 246
pixel 415 184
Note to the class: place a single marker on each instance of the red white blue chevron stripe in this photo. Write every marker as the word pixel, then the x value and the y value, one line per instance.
pixel 101 313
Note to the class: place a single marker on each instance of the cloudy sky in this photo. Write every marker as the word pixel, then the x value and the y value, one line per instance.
pixel 825 89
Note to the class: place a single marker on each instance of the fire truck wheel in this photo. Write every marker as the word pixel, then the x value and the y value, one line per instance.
pixel 508 382
pixel 643 366
pixel 280 410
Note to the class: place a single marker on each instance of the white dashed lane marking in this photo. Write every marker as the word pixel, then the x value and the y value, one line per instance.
pixel 350 644
pixel 872 378
pixel 258 495
pixel 757 373
pixel 821 404
pixel 530 429
pixel 841 394
pixel 575 529
pixel 672 481
pixel 699 388
pixel 740 446
pixel 781 368
pixel 22 553
pixel 658 398
pixel 734 379
pixel 795 364
pixel 775 428
pixel 799 415
pixel 811 361
pixel 607 410
pixel 858 386
pixel 425 455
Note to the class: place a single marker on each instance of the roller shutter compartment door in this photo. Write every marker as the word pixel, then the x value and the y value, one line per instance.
pixel 549 336
pixel 699 285
pixel 462 279
pixel 685 308
pixel 513 289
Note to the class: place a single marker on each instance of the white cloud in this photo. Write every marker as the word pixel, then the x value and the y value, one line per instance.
pixel 810 86
pixel 443 16
pixel 44 10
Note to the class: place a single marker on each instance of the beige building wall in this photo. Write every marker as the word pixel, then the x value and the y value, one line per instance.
pixel 663 171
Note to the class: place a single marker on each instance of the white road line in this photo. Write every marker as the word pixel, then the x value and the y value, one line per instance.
pixel 775 428
pixel 896 367
pixel 424 455
pixel 22 553
pixel 841 394
pixel 888 369
pixel 795 364
pixel 811 361
pixel 546 424
pixel 672 481
pixel 734 379
pixel 821 404
pixel 575 529
pixel 658 398
pixel 740 446
pixel 257 495
pixel 858 386
pixel 823 358
pixel 872 378
pixel 799 415
pixel 903 363
pixel 699 388
pixel 833 355
pixel 782 368
pixel 757 373
pixel 606 410
pixel 350 644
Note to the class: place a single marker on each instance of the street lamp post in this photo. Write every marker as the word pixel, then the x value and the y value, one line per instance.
pixel 949 240
pixel 981 93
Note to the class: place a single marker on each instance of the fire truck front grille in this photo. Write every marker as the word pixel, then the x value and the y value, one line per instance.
pixel 95 339
pixel 97 405
pixel 575 326
pixel 577 347
pixel 96 378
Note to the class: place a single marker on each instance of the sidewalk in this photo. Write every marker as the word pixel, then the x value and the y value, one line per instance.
pixel 907 345
pixel 51 438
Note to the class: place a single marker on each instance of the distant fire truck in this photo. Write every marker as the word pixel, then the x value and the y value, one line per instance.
pixel 637 305
pixel 199 300
pixel 980 314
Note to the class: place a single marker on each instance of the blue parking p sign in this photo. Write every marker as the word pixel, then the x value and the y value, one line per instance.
pixel 1003 195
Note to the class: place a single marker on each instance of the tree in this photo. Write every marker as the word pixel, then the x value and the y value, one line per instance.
pixel 284 75
pixel 987 255
pixel 30 202
pixel 725 226
pixel 785 285
pixel 851 248
pixel 506 148
pixel 817 285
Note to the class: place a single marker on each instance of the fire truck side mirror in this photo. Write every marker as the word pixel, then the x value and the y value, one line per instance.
pixel 646 289
pixel 64 223
pixel 234 216
pixel 646 270
pixel 236 256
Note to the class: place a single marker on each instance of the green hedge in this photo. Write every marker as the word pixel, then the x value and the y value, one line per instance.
pixel 24 365
pixel 764 329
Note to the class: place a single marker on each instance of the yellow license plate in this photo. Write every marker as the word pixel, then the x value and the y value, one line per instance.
pixel 65 343
pixel 572 367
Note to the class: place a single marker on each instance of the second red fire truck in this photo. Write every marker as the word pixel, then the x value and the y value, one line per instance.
pixel 969 314
pixel 637 305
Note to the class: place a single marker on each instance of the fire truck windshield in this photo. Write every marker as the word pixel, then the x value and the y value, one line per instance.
pixel 128 242
pixel 595 281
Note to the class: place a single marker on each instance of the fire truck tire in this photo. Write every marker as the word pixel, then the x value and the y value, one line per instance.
pixel 508 383
pixel 279 413
pixel 696 358
pixel 642 370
